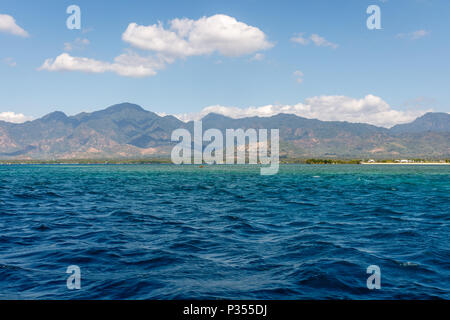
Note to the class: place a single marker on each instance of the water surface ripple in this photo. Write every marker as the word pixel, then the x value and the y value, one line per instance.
pixel 219 232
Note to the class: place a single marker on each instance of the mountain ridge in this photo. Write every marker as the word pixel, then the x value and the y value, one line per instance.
pixel 127 130
pixel 431 121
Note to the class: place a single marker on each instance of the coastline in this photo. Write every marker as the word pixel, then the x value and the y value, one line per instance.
pixel 407 164
pixel 168 161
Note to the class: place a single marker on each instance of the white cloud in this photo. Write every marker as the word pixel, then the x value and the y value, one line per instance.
pixel 300 39
pixel 322 42
pixel 370 109
pixel 414 35
pixel 419 34
pixel 10 62
pixel 257 57
pixel 77 44
pixel 10 116
pixel 65 62
pixel 128 64
pixel 298 76
pixel 185 37
pixel 314 38
pixel 8 25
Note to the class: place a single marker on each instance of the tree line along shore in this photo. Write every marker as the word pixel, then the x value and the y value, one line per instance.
pixel 168 161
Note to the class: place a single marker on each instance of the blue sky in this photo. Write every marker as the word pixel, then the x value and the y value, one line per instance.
pixel 338 70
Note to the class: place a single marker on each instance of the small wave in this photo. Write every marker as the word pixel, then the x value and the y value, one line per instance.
pixel 9 267
pixel 42 227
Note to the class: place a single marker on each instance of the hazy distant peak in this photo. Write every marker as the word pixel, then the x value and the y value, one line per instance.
pixel 55 116
pixel 431 121
pixel 435 115
pixel 127 130
pixel 124 107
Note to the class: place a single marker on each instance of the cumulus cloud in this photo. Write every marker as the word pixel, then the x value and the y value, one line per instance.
pixel 77 44
pixel 186 37
pixel 128 64
pixel 298 76
pixel 8 25
pixel 370 109
pixel 314 38
pixel 414 35
pixel 10 116
pixel 300 39
pixel 322 42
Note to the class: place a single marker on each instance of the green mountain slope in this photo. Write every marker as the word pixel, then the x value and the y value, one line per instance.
pixel 128 131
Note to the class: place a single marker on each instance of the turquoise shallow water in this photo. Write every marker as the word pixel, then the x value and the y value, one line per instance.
pixel 175 232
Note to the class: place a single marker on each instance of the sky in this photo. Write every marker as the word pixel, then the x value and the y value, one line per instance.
pixel 316 59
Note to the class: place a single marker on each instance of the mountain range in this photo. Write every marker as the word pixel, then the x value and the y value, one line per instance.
pixel 128 131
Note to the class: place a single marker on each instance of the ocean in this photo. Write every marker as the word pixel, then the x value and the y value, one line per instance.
pixel 224 232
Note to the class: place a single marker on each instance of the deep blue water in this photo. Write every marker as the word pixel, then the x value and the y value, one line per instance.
pixel 175 232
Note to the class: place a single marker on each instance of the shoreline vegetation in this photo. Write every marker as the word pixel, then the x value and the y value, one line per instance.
pixel 282 161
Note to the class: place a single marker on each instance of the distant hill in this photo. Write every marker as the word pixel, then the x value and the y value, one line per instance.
pixel 431 122
pixel 128 131
pixel 123 130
